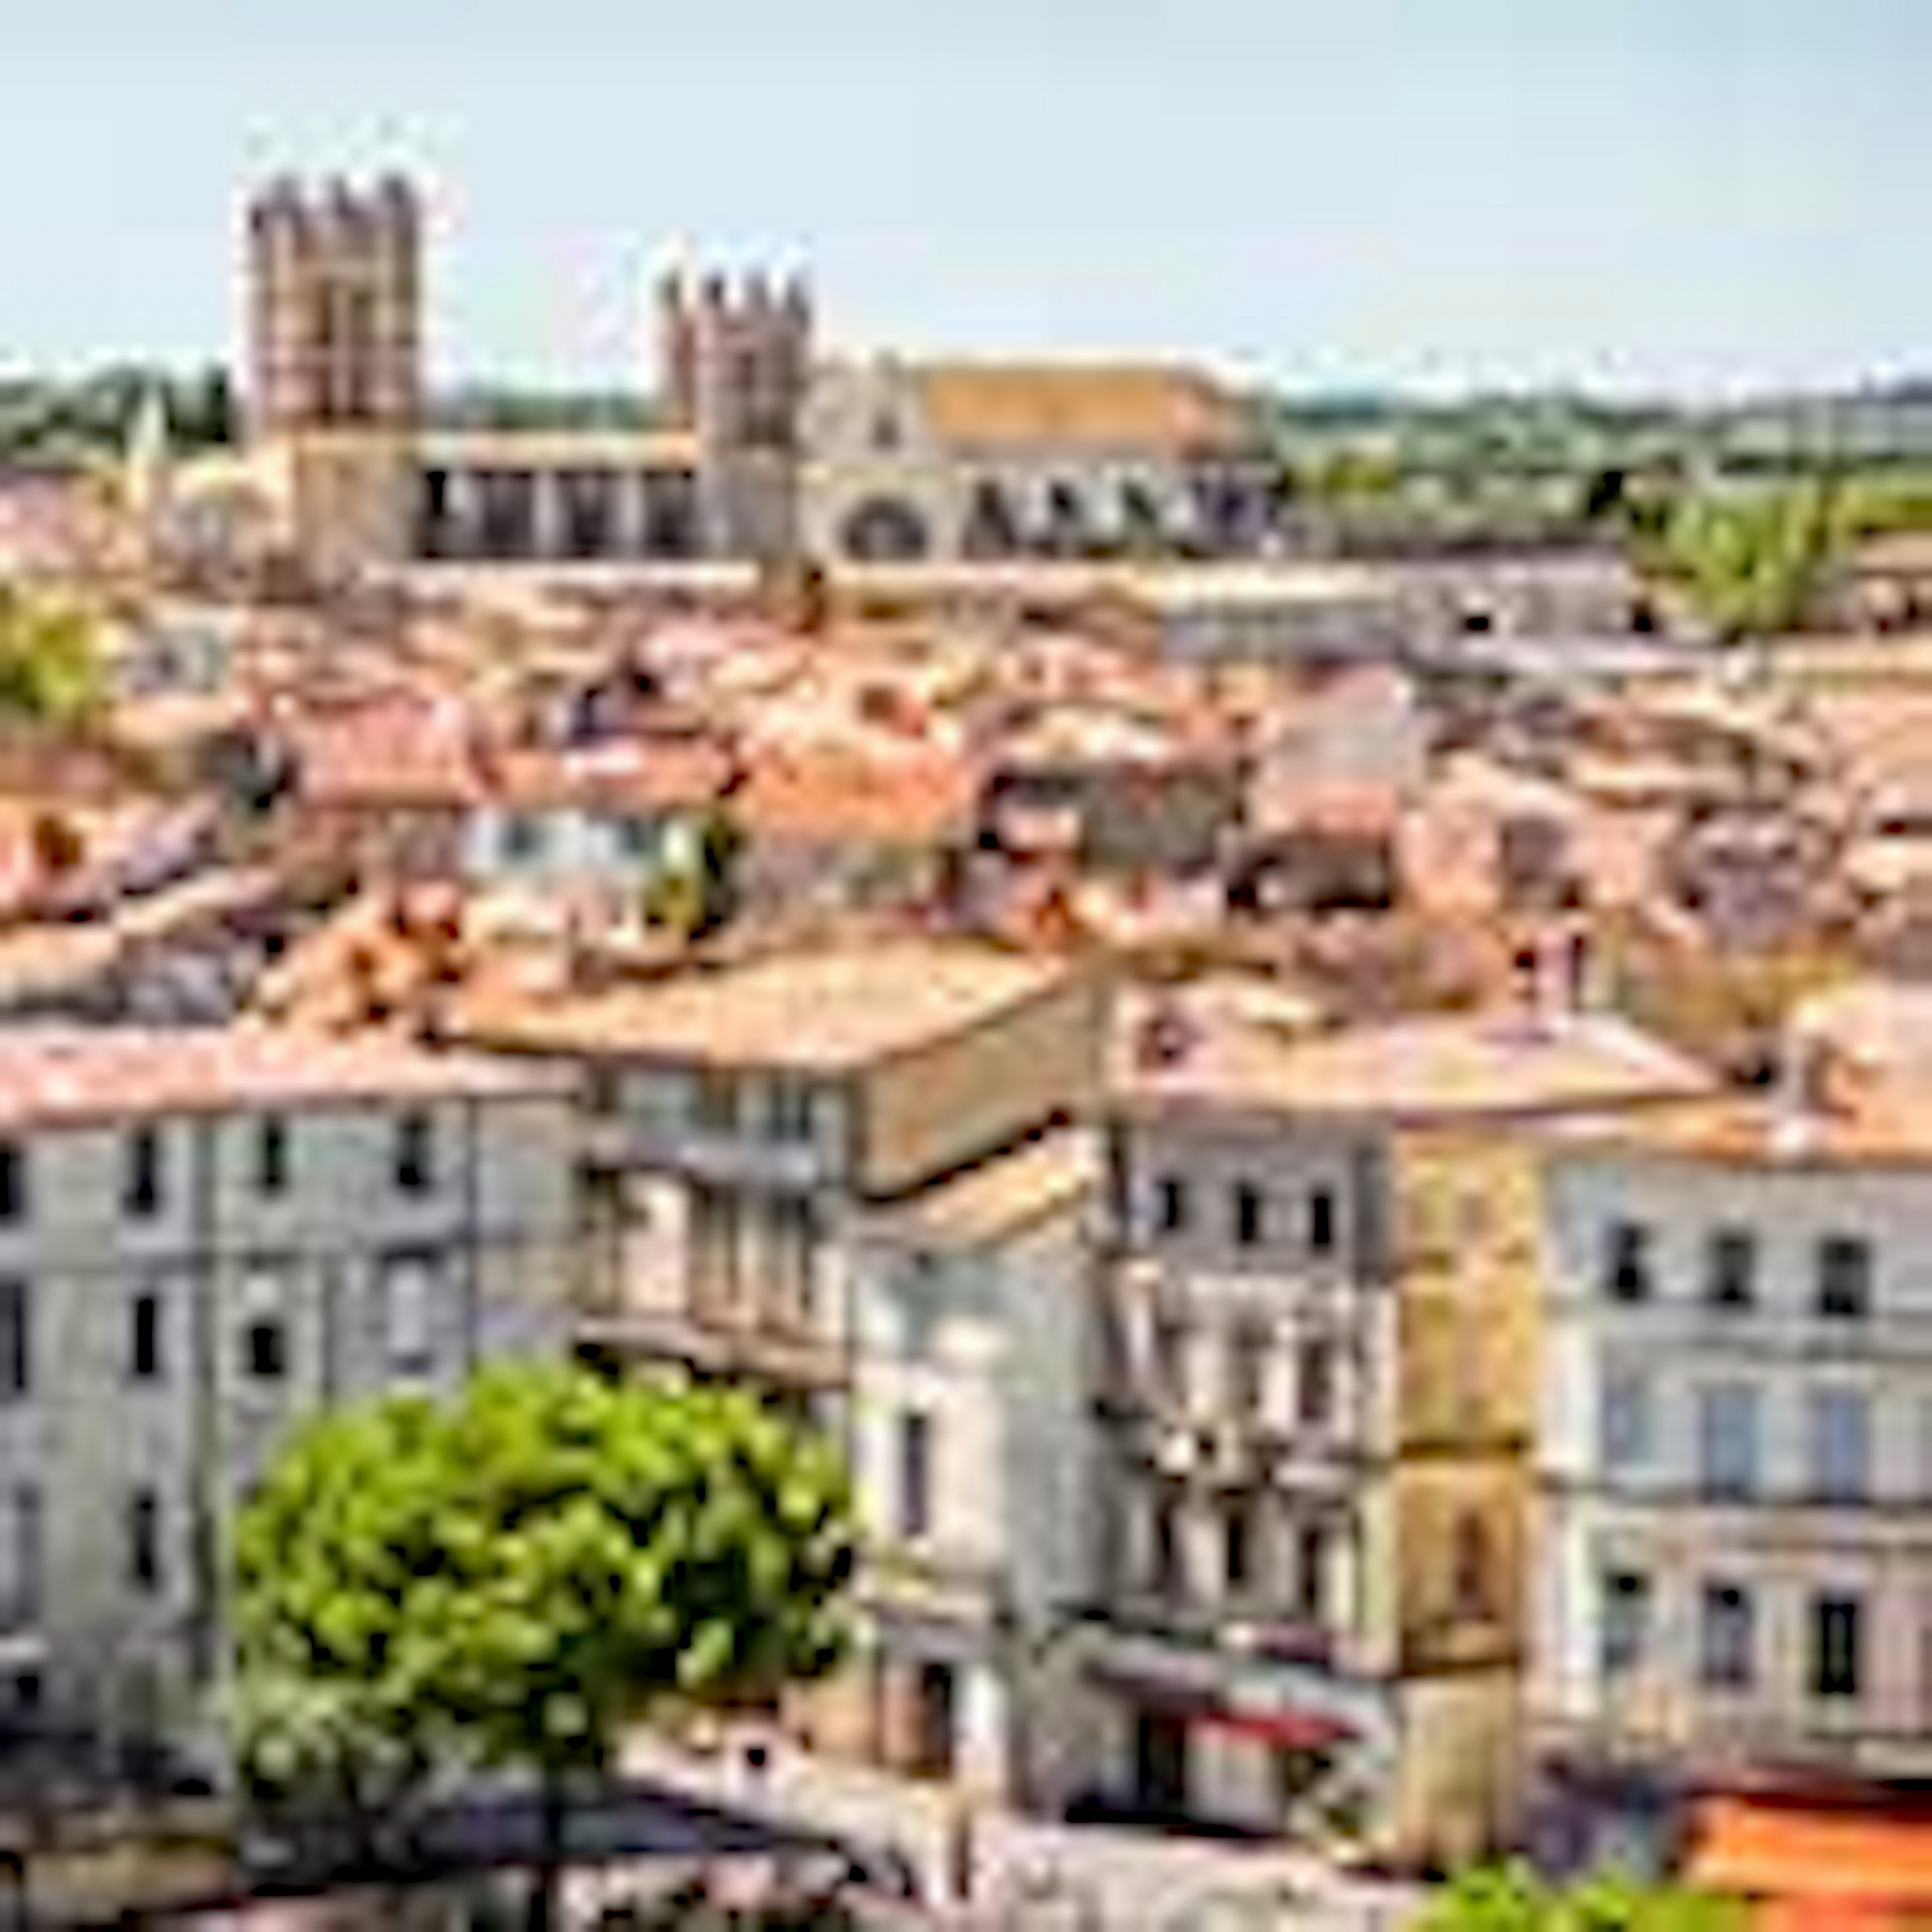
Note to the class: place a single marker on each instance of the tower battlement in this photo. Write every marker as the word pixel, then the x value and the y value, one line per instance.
pixel 734 358
pixel 334 302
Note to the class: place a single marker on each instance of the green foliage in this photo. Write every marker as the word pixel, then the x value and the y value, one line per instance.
pixel 508 1579
pixel 690 886
pixel 1753 565
pixel 50 659
pixel 1510 1898
pixel 44 420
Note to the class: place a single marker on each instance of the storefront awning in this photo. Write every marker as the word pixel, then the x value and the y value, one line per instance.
pixel 1818 1858
pixel 1286 1730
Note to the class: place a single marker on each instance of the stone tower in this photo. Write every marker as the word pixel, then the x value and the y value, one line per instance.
pixel 335 293
pixel 733 367
pixel 335 349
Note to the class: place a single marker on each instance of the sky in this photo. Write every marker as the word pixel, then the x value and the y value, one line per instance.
pixel 1696 196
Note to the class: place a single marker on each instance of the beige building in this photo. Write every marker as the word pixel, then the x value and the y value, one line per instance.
pixel 1319 1285
pixel 1735 1456
pixel 855 1178
pixel 205 1236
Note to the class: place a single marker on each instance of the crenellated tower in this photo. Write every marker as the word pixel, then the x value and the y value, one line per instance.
pixel 335 294
pixel 334 312
pixel 733 366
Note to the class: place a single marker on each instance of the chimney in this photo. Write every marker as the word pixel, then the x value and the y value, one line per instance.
pixel 1164 1035
pixel 1802 1091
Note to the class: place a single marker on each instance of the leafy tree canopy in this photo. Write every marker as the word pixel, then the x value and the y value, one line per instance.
pixel 1510 1898
pixel 507 1579
pixel 49 658
pixel 1755 564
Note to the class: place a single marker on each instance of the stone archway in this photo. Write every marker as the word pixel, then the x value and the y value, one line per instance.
pixel 884 529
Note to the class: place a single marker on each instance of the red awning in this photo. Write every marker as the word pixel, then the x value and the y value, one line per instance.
pixel 1290 1730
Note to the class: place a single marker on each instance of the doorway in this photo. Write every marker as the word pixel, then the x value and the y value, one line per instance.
pixel 1160 1765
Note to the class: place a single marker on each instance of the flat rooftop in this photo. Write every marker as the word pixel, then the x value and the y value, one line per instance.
pixel 1501 1065
pixel 55 1076
pixel 830 1010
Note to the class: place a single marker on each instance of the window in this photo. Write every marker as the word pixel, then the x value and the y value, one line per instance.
pixel 1170 1213
pixel 12 1181
pixel 271 1155
pixel 1248 1346
pixel 1844 1276
pixel 1249 1212
pixel 1840 1433
pixel 936 1699
pixel 915 1476
pixel 1237 1533
pixel 1837 1646
pixel 1624 1635
pixel 267 1350
pixel 790 1110
pixel 1472 1583
pixel 1730 1277
pixel 20 1553
pixel 16 1353
pixel 1627 1262
pixel 141 1174
pixel 714 1102
pixel 1311 1573
pixel 1167 1577
pixel 522 838
pixel 1170 1355
pixel 144 1542
pixel 415 1152
pixel 408 1288
pixel 1626 1420
pixel 144 1338
pixel 1727 1440
pixel 1322 1221
pixel 1315 1381
pixel 1727 1639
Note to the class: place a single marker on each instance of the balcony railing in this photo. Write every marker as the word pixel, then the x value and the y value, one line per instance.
pixel 781 1352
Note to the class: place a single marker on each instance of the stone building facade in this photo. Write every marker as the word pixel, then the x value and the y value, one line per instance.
pixel 203 1239
pixel 759 450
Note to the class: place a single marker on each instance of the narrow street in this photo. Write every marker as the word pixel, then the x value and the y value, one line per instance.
pixel 1029 1873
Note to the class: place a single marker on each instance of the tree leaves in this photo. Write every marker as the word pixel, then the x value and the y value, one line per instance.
pixel 508 1579
pixel 1512 1898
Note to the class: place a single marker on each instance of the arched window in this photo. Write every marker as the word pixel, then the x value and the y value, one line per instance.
pixel 884 529
pixel 1066 532
pixel 991 528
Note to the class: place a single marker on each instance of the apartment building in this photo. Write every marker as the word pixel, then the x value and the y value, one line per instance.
pixel 1317 1287
pixel 204 1236
pixel 855 1178
pixel 1736 1456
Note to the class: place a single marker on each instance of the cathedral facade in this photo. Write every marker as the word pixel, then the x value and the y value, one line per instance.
pixel 760 450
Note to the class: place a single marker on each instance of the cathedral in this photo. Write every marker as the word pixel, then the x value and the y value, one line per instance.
pixel 760 448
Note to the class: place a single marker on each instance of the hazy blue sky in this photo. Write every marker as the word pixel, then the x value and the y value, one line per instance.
pixel 1694 192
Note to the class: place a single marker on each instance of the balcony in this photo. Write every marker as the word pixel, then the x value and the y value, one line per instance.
pixel 718 1157
pixel 767 1351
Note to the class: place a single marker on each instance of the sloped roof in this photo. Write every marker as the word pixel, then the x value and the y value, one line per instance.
pixel 1100 406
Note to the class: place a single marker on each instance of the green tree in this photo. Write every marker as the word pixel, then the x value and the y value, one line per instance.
pixel 690 886
pixel 1754 565
pixel 507 1579
pixel 50 659
pixel 1510 1898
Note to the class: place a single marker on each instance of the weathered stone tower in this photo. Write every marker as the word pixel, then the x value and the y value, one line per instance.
pixel 733 366
pixel 335 361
